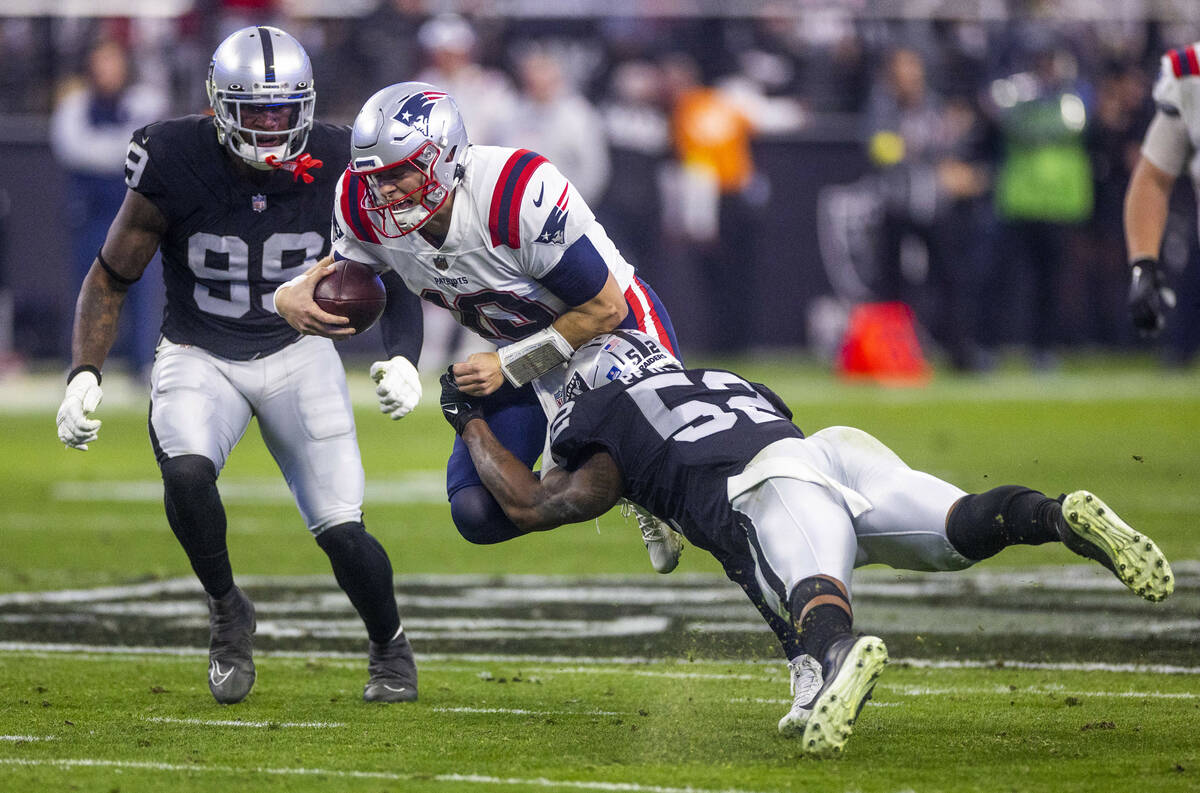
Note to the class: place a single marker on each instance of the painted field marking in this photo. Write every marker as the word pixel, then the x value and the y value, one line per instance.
pixel 27 738
pixel 524 712
pixel 234 723
pixel 573 665
pixel 477 779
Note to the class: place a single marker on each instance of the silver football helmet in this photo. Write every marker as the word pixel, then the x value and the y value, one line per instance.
pixel 625 355
pixel 411 125
pixel 263 72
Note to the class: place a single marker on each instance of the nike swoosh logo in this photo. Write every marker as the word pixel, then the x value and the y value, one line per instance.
pixel 538 201
pixel 218 677
pixel 397 690
pixel 452 411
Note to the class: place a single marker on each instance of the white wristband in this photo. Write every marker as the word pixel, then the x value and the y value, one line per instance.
pixel 284 285
pixel 531 357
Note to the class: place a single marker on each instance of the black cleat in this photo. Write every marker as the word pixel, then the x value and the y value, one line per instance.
pixel 1094 531
pixel 393 671
pixel 231 644
pixel 851 667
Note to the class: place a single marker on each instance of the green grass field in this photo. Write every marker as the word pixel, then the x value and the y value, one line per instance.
pixel 559 661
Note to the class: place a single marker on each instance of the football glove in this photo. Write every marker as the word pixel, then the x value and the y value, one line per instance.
pixel 457 407
pixel 1149 297
pixel 83 396
pixel 397 385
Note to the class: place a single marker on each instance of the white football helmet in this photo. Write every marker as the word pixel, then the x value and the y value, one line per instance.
pixel 412 124
pixel 625 355
pixel 261 68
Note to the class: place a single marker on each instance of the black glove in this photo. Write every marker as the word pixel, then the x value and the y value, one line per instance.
pixel 1149 297
pixel 457 407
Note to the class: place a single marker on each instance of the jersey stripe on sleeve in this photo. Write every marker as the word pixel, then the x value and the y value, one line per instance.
pixel 646 315
pixel 504 217
pixel 352 211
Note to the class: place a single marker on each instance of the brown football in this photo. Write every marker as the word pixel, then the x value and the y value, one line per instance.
pixel 354 291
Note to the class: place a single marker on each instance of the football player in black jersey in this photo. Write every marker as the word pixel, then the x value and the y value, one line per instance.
pixel 239 202
pixel 788 516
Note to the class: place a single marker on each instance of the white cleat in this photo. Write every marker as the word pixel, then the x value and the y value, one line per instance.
pixel 805 675
pixel 664 544
pixel 1132 556
pixel 852 665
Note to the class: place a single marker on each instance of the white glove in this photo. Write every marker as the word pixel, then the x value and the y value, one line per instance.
pixel 83 396
pixel 398 386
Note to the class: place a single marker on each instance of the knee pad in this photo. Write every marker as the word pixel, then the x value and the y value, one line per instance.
pixel 187 470
pixel 479 518
pixel 343 536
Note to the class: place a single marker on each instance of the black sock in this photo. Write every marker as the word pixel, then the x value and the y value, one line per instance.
pixel 363 570
pixel 197 517
pixel 982 525
pixel 821 623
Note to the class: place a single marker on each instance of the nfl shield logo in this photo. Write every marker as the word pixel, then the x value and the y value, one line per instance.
pixel 258 202
pixel 441 263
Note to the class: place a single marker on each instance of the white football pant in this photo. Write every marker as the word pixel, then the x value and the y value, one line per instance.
pixel 201 404
pixel 837 500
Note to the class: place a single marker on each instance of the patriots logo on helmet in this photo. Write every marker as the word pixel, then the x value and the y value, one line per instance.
pixel 417 108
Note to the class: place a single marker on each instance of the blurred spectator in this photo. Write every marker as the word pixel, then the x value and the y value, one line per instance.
pixel 89 133
pixel 484 96
pixel 388 38
pixel 714 199
pixel 1043 191
pixel 552 119
pixel 928 185
pixel 637 130
pixel 487 101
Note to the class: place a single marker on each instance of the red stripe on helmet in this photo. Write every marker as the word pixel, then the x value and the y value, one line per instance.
pixel 1193 62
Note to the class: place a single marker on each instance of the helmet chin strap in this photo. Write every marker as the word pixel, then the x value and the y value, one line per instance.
pixel 298 167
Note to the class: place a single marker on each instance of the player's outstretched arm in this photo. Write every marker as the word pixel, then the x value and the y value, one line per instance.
pixel 132 240
pixel 533 356
pixel 531 503
pixel 294 302
pixel 1147 200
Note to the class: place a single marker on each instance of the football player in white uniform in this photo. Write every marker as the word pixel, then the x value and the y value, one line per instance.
pixel 501 239
pixel 1170 146
pixel 238 202
pixel 789 517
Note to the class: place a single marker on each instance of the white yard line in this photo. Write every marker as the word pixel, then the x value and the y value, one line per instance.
pixel 523 712
pixel 235 723
pixel 450 779
pixel 590 666
pixel 27 738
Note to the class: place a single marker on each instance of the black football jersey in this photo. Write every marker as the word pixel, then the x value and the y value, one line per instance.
pixel 231 238
pixel 677 437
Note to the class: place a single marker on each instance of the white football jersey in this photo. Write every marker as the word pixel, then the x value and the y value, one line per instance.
pixel 1177 94
pixel 522 248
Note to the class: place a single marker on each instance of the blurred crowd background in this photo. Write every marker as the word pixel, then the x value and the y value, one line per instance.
pixel 766 166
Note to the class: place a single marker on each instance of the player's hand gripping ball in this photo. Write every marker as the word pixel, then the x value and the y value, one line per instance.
pixel 354 291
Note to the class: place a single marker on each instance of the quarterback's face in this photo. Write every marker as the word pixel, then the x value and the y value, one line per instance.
pixel 401 183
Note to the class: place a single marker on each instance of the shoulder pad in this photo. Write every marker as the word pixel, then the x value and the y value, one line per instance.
pixel 504 215
pixel 348 209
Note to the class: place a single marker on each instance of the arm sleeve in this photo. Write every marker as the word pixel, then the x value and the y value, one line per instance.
pixel 402 323
pixel 1167 144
